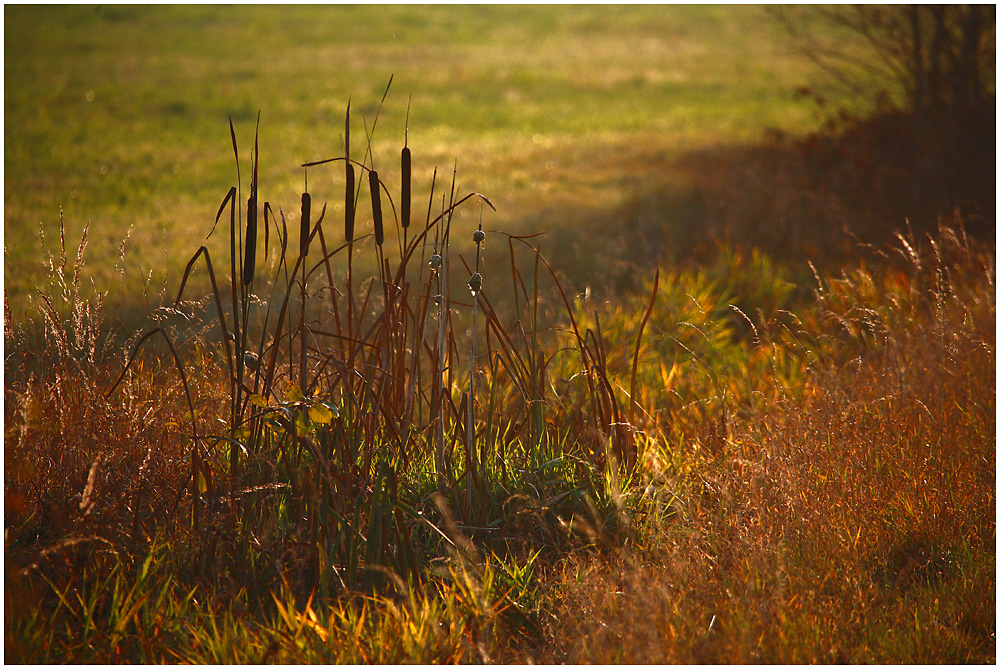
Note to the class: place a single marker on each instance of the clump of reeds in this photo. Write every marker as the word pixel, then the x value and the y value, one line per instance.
pixel 334 408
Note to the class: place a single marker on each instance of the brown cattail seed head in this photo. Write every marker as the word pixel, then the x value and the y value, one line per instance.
pixel 250 249
pixel 373 185
pixel 478 236
pixel 405 186
pixel 349 205
pixel 476 283
pixel 304 226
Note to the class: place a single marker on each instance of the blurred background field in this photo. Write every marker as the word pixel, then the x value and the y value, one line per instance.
pixel 573 121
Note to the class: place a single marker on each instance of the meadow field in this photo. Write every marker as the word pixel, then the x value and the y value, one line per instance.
pixel 119 116
pixel 623 336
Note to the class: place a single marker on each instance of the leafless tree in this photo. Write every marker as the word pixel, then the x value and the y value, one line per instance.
pixel 941 57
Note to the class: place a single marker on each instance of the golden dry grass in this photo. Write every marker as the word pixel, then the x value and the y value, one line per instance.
pixel 844 515
pixel 854 525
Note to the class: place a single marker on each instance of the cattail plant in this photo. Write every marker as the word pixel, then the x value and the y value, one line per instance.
pixel 250 242
pixel 304 226
pixel 405 187
pixel 350 202
pixel 349 195
pixel 436 264
pixel 404 178
pixel 349 404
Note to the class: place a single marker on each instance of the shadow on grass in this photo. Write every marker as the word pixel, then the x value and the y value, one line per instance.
pixel 824 198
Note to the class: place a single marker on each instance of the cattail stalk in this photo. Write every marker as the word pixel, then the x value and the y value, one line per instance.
pixel 438 266
pixel 349 212
pixel 405 173
pixel 303 251
pixel 475 285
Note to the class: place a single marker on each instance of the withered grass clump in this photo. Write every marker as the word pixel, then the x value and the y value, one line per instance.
pixel 323 461
pixel 854 524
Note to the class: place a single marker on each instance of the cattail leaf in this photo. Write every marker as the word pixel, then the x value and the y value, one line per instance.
pixel 373 185
pixel 236 152
pixel 256 157
pixel 229 196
